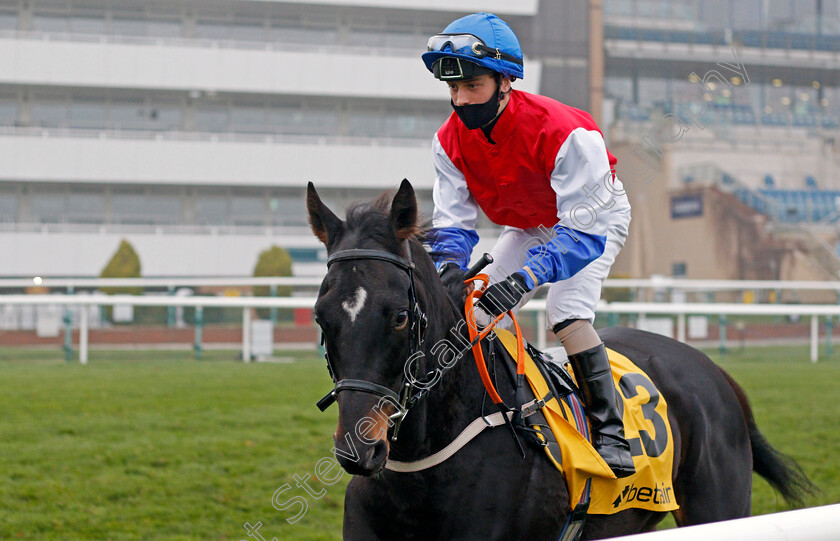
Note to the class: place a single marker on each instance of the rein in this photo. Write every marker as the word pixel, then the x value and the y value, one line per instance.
pixel 480 363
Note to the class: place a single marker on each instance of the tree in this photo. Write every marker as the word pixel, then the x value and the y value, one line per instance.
pixel 275 261
pixel 123 264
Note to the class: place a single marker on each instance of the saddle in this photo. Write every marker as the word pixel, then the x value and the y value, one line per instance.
pixel 554 419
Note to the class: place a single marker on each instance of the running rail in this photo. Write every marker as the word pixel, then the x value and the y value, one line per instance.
pixel 680 310
pixel 813 524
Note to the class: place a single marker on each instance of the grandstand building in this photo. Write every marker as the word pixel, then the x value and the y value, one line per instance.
pixel 726 117
pixel 191 127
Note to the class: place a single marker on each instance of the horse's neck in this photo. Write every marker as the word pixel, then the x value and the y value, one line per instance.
pixel 453 402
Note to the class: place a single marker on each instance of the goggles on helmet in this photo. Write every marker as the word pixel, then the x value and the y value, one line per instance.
pixel 468 44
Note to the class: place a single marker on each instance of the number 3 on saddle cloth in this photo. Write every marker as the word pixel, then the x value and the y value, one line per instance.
pixel 646 428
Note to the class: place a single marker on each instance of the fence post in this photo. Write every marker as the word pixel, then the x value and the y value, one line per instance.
pixel 199 328
pixel 170 310
pixel 83 335
pixel 681 327
pixel 273 310
pixel 246 335
pixel 68 334
pixel 541 343
pixel 815 334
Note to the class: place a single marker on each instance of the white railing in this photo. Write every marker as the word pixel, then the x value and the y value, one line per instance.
pixel 681 310
pixel 814 524
pixel 664 283
pixel 169 283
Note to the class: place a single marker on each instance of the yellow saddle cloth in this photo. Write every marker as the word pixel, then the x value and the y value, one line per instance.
pixel 646 428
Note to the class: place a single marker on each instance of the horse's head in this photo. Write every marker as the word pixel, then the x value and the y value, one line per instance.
pixel 369 313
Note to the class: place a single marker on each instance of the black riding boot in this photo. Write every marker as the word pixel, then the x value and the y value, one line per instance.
pixel 594 378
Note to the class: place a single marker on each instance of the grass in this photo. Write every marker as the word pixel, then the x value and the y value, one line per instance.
pixel 155 445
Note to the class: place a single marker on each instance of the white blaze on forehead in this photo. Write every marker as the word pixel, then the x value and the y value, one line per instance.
pixel 355 305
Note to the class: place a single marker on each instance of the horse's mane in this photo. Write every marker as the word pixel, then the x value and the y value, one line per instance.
pixel 373 218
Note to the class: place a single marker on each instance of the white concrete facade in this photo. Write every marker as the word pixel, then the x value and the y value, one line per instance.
pixel 46 164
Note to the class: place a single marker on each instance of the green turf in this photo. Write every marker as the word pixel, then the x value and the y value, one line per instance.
pixel 156 445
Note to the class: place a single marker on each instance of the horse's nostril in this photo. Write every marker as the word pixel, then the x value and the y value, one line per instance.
pixel 378 456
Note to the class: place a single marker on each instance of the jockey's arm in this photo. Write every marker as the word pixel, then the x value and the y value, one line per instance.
pixel 583 209
pixel 453 236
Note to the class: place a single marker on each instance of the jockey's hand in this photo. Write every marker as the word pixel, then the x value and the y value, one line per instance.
pixel 452 278
pixel 502 296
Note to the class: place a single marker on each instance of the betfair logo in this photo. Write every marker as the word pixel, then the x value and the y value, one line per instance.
pixel 656 494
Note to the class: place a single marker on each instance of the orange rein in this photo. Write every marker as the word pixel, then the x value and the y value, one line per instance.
pixel 469 312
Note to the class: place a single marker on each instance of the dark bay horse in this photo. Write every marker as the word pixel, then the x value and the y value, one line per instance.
pixel 382 305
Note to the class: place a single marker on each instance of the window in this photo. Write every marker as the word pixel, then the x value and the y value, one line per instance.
pixel 88 114
pixel 164 27
pixel 286 119
pixel 245 29
pixel 8 19
pixel 136 206
pixel 8 110
pixel 779 14
pixel 287 210
pixel 48 204
pixel 163 116
pixel 714 14
pixel 85 206
pixel 249 120
pixel 50 112
pixel 619 7
pixel 746 14
pixel 210 117
pixel 88 24
pixel 366 124
pixel 620 88
pixel 122 25
pixel 8 205
pixel 247 210
pixel 211 210
pixel 127 114
pixel 51 23
pixel 164 207
pixel 213 30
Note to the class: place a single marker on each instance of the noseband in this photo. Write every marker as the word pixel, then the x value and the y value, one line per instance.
pixel 417 323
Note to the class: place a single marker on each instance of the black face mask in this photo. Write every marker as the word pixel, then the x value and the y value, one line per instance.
pixel 477 115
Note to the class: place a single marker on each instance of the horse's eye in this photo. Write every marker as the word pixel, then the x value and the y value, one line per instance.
pixel 401 320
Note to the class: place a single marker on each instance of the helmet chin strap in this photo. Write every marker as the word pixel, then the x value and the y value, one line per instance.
pixel 502 96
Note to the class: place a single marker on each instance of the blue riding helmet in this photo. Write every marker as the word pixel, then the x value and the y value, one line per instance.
pixel 481 38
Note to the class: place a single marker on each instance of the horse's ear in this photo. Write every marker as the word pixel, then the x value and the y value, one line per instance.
pixel 404 211
pixel 326 225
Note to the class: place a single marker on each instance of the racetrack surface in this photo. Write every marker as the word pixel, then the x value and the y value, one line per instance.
pixel 156 445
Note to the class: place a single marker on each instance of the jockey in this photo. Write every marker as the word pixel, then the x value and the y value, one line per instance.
pixel 540 169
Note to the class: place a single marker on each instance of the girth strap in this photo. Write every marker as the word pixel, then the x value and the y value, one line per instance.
pixel 473 429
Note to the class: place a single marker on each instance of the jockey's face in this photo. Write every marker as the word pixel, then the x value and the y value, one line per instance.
pixel 477 90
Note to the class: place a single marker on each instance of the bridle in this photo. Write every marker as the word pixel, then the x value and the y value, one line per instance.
pixel 417 323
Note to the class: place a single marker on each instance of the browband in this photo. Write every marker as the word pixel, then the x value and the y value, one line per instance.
pixel 357 253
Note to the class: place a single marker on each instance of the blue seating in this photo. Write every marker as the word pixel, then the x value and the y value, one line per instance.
pixel 792 206
pixel 726 113
pixel 806 121
pixel 769 182
pixel 775 39
pixel 830 122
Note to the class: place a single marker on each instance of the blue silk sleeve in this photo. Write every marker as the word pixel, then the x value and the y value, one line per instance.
pixel 451 244
pixel 563 255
